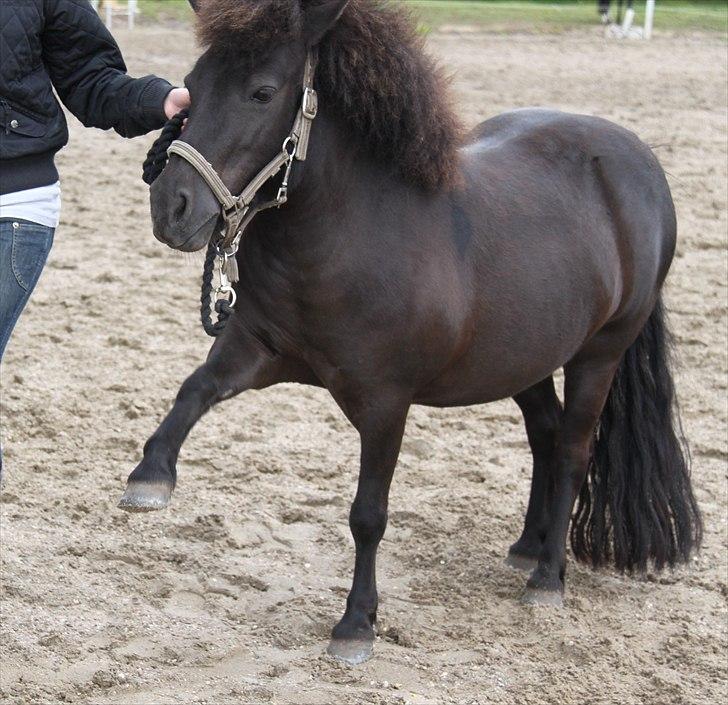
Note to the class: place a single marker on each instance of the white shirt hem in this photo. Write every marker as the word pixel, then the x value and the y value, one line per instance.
pixel 40 205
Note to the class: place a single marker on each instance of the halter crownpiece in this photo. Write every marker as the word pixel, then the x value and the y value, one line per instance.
pixel 237 211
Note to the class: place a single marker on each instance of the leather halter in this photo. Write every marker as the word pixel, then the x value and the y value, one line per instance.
pixel 238 211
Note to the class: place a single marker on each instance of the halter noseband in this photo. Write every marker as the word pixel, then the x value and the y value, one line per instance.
pixel 237 211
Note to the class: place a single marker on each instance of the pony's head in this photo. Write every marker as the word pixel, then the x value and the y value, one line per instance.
pixel 373 79
pixel 246 90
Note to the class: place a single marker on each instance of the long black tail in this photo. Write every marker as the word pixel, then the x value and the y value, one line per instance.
pixel 637 506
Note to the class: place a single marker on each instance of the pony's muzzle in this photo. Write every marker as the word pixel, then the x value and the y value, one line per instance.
pixel 184 215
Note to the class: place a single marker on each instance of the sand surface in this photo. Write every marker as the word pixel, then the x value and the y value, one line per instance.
pixel 229 595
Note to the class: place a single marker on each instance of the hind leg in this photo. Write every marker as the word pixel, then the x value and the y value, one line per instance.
pixel 541 410
pixel 588 379
pixel 235 363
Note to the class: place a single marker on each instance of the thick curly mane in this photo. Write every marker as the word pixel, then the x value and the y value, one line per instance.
pixel 373 73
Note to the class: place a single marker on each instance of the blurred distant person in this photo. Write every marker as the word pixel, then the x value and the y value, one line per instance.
pixel 61 45
pixel 605 10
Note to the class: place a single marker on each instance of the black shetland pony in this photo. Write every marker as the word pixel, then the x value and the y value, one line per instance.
pixel 412 265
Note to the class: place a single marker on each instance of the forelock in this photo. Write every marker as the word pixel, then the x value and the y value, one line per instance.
pixel 373 74
pixel 248 26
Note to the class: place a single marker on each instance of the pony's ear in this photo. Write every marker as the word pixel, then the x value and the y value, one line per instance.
pixel 319 17
pixel 195 5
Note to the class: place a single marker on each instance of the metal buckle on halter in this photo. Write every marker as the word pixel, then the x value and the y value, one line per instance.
pixel 309 106
pixel 227 292
pixel 225 255
pixel 290 145
pixel 232 218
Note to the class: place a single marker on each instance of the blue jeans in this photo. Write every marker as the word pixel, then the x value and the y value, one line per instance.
pixel 24 248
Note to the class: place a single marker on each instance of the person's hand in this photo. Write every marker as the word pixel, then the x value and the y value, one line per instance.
pixel 177 100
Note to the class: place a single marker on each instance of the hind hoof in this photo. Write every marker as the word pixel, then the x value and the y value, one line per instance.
pixel 542 598
pixel 351 652
pixel 520 562
pixel 145 497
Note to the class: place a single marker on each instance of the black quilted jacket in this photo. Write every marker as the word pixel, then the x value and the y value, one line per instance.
pixel 62 44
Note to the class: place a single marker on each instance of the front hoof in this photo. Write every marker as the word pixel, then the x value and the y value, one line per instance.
pixel 145 497
pixel 542 598
pixel 520 562
pixel 350 651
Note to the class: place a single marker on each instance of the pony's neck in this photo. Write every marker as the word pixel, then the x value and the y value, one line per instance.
pixel 330 170
pixel 338 177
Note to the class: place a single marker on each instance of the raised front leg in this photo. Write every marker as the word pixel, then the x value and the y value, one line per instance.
pixel 381 428
pixel 235 363
pixel 541 410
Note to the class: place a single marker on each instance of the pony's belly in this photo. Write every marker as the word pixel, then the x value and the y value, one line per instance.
pixel 467 390
pixel 491 373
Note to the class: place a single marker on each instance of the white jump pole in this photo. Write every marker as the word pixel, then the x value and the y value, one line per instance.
pixel 649 18
pixel 628 20
pixel 131 11
pixel 109 14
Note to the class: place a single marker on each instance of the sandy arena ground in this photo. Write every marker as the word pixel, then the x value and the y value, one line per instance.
pixel 229 596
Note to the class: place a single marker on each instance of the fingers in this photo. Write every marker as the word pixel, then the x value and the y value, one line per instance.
pixel 177 99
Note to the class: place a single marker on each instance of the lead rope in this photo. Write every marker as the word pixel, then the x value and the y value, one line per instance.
pixel 153 166
pixel 157 156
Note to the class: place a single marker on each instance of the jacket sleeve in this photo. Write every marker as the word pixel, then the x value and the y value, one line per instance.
pixel 89 74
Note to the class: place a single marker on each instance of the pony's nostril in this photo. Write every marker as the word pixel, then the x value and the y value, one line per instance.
pixel 182 204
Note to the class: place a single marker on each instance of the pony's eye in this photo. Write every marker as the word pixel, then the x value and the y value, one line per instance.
pixel 264 95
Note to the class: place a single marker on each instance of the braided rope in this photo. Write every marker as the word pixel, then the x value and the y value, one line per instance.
pixel 154 164
pixel 157 157
pixel 222 306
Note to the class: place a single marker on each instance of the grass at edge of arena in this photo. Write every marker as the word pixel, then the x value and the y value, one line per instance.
pixel 561 16
pixel 515 15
